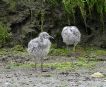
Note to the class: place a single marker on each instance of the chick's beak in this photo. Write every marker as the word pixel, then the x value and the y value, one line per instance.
pixel 51 37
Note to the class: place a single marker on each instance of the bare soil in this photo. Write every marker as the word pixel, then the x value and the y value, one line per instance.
pixel 29 77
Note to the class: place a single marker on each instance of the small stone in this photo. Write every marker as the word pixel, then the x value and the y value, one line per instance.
pixel 97 74
pixel 7 84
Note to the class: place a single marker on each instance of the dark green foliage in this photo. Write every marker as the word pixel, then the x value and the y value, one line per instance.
pixel 4 35
pixel 34 16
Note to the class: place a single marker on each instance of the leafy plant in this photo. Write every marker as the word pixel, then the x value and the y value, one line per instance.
pixel 4 35
pixel 12 4
pixel 71 5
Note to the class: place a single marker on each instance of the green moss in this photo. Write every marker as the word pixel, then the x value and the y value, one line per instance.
pixel 82 61
pixel 58 52
pixel 60 66
pixel 18 48
pixel 89 52
pixel 85 63
pixel 101 52
pixel 20 65
pixel 95 50
pixel 57 65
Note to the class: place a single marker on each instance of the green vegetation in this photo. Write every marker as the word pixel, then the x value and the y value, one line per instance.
pixel 81 61
pixel 96 51
pixel 49 15
pixel 57 65
pixel 58 52
pixel 19 65
pixel 86 9
pixel 101 52
pixel 4 35
pixel 89 52
pixel 12 4
pixel 16 50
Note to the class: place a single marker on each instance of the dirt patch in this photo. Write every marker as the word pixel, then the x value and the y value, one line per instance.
pixel 29 77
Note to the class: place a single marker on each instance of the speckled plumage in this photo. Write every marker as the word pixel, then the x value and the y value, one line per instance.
pixel 39 47
pixel 71 35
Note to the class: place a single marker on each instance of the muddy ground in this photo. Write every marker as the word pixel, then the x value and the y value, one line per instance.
pixel 29 77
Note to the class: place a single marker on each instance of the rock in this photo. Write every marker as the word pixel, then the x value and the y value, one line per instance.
pixel 97 75
pixel 7 84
